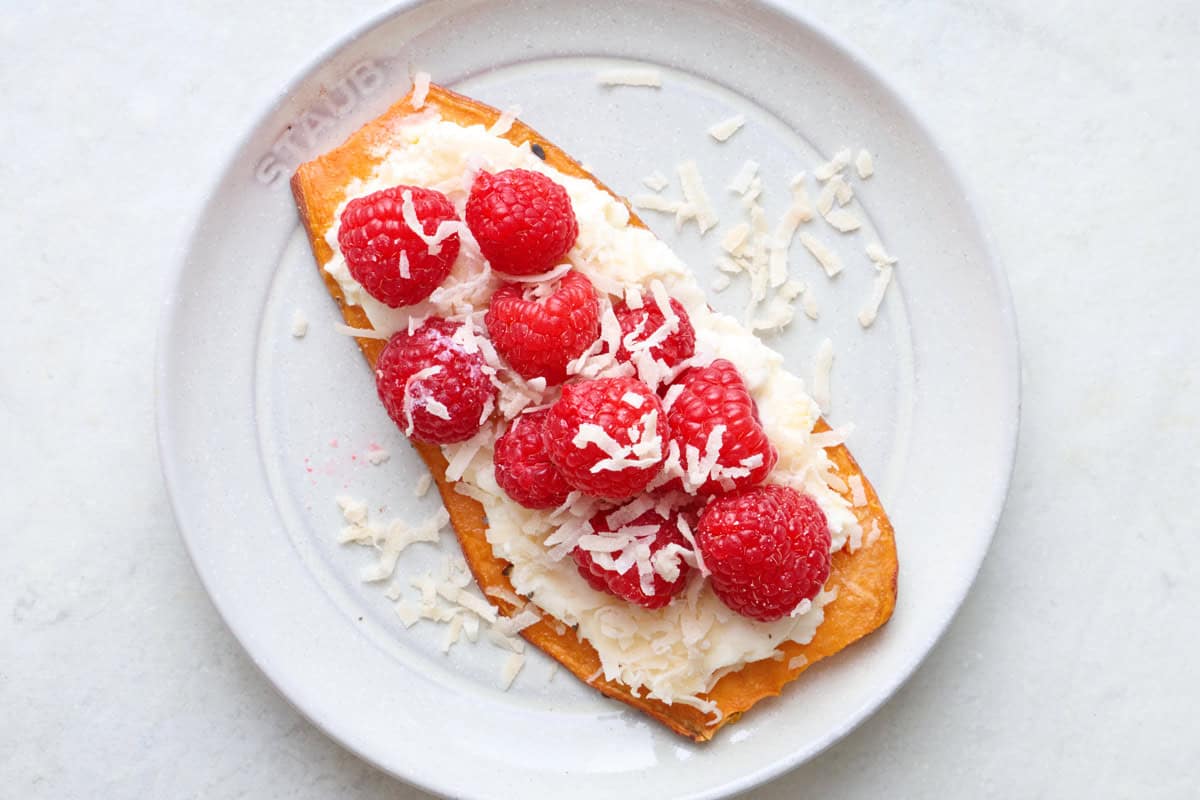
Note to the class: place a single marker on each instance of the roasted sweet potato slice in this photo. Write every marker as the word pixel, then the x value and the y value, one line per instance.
pixel 865 579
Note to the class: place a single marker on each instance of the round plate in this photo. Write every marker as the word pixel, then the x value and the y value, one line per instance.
pixel 259 431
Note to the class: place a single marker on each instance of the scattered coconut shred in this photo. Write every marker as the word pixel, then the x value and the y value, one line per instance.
pixel 822 366
pixel 299 324
pixel 420 89
pixel 722 130
pixel 656 181
pixel 695 206
pixel 446 595
pixel 754 247
pixel 630 76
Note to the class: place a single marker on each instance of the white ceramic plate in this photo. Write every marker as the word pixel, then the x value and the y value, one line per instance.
pixel 259 431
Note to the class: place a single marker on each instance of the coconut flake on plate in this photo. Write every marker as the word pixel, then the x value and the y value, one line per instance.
pixel 864 163
pixel 630 76
pixel 656 181
pixel 825 256
pixel 870 311
pixel 744 176
pixel 822 366
pixel 299 324
pixel 721 131
pixel 695 196
pixel 834 165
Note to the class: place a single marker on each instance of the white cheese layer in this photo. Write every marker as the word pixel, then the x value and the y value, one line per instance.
pixel 680 651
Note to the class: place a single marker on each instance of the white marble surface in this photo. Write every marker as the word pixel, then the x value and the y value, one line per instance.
pixel 1071 669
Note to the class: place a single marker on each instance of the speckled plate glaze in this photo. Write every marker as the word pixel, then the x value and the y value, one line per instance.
pixel 253 468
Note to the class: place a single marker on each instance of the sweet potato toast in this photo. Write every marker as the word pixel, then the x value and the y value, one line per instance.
pixel 865 580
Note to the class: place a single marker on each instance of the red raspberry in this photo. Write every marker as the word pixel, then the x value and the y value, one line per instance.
pixel 613 409
pixel 540 336
pixel 445 407
pixel 711 396
pixel 522 220
pixel 386 256
pixel 628 584
pixel 767 548
pixel 679 344
pixel 523 469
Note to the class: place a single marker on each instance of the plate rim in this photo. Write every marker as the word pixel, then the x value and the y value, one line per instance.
pixel 190 238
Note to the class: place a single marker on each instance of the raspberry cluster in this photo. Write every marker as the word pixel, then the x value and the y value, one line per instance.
pixel 698 438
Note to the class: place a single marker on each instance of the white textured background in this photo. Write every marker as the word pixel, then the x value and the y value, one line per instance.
pixel 1072 669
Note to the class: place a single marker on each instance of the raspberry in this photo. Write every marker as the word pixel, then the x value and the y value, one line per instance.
pixel 523 469
pixel 628 584
pixel 386 256
pixel 711 396
pixel 613 416
pixel 540 336
pixel 679 344
pixel 767 548
pixel 448 406
pixel 522 220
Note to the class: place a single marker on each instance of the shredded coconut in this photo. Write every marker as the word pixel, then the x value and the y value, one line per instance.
pixel 376 455
pixel 826 257
pixel 388 540
pixel 299 324
pixel 865 164
pixel 413 380
pixel 476 605
pixel 729 266
pixel 866 317
pixel 735 238
pixel 633 296
pixel 722 130
pixel 695 196
pixel 822 365
pixel 407 614
pixel 459 455
pixel 843 220
pixel 504 122
pixel 831 438
pixel 359 333
pixel 799 211
pixel 437 408
pixel 879 257
pixel 630 76
pixel 834 165
pixel 858 492
pixel 508 672
pixel 796 662
pixel 633 399
pixel 656 202
pixel 420 89
pixel 507 595
pixel 752 192
pixel 445 229
pixel 656 181
pixel 452 633
pixel 542 277
pixel 745 175
pixel 423 484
